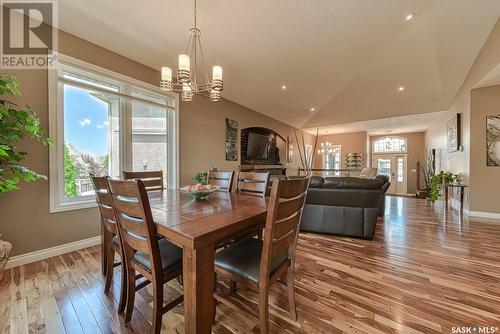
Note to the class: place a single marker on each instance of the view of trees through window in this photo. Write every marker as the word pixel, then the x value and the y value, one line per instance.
pixel 91 140
pixel 92 114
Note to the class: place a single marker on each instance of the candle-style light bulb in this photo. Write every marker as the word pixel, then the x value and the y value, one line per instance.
pixel 217 83
pixel 166 78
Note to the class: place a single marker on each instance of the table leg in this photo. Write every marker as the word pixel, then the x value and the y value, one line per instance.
pixel 103 251
pixel 461 200
pixel 446 196
pixel 198 275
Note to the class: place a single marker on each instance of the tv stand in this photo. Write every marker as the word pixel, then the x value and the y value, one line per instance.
pixel 272 169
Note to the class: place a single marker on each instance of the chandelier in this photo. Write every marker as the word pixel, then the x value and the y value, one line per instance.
pixel 188 82
pixel 326 148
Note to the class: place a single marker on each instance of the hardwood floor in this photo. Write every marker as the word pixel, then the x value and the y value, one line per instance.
pixel 426 271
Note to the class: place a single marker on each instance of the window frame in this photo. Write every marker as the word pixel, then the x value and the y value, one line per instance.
pixel 325 160
pixel 374 142
pixel 56 128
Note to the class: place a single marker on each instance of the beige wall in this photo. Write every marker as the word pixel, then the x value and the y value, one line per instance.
pixel 484 181
pixel 460 162
pixel 415 148
pixel 203 135
pixel 25 217
pixel 349 142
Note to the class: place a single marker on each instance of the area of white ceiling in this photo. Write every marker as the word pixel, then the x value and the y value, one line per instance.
pixel 345 58
pixel 393 125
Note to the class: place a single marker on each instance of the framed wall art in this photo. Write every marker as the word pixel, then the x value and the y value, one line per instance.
pixel 231 146
pixel 493 141
pixel 453 133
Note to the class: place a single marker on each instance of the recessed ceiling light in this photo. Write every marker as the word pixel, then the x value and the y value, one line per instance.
pixel 401 88
pixel 409 16
pixel 312 109
pixel 283 87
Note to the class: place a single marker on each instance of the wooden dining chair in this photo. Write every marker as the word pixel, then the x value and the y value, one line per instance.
pixel 110 238
pixel 224 180
pixel 158 260
pixel 258 264
pixel 252 183
pixel 153 180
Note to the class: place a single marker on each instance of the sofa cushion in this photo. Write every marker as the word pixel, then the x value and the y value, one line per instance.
pixel 316 182
pixel 352 183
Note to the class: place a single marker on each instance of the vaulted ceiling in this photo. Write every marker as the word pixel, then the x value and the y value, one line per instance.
pixel 344 58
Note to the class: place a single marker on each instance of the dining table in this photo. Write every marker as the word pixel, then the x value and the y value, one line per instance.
pixel 197 227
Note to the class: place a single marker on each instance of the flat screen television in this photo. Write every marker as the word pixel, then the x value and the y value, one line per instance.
pixel 258 146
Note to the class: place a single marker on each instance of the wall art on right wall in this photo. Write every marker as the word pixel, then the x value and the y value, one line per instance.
pixel 453 133
pixel 493 141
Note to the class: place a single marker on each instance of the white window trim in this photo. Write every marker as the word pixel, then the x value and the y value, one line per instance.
pixel 56 151
pixel 339 147
pixel 389 152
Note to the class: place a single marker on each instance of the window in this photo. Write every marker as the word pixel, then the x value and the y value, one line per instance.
pixel 389 145
pixel 401 169
pixel 384 166
pixel 103 123
pixel 332 160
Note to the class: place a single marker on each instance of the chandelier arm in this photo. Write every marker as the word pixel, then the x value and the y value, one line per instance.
pixel 195 49
pixel 189 44
pixel 195 13
pixel 205 73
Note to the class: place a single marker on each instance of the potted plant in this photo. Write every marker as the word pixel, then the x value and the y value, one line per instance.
pixel 438 182
pixel 202 177
pixel 16 124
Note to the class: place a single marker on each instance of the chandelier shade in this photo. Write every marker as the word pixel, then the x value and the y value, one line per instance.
pixel 192 75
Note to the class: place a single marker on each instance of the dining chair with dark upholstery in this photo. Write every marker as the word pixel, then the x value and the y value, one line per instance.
pixel 153 180
pixel 158 260
pixel 252 183
pixel 110 237
pixel 260 263
pixel 249 183
pixel 224 180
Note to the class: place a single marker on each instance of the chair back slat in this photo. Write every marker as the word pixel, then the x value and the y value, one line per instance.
pixel 153 180
pixel 252 183
pixel 135 220
pixel 135 243
pixel 133 225
pixel 103 199
pixel 126 206
pixel 289 207
pixel 285 225
pixel 284 213
pixel 283 243
pixel 224 180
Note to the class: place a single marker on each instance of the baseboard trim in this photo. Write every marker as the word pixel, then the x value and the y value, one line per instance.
pixel 43 254
pixel 486 215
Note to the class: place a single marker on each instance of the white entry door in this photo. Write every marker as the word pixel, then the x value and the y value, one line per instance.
pixel 394 166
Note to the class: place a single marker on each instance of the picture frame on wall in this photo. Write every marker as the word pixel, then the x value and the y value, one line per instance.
pixel 231 144
pixel 453 133
pixel 493 141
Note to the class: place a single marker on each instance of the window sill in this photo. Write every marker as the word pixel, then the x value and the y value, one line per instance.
pixel 71 206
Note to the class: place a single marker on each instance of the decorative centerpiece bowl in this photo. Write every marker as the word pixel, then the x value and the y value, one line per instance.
pixel 199 192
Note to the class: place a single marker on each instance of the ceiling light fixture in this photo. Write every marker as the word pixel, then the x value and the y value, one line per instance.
pixel 409 16
pixel 312 109
pixel 401 88
pixel 283 87
pixel 188 82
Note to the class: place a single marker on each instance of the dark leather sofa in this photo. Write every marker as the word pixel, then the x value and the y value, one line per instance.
pixel 344 205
